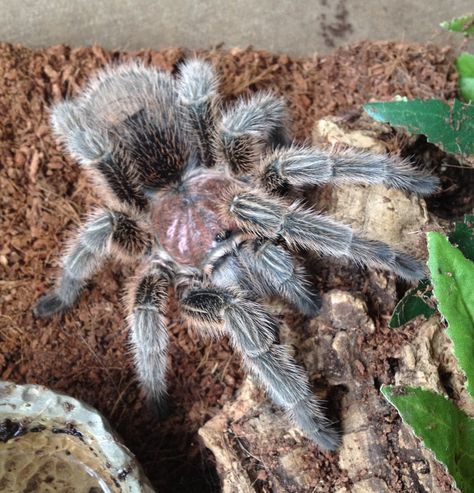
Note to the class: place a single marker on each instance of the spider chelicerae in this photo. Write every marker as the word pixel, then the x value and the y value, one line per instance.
pixel 207 198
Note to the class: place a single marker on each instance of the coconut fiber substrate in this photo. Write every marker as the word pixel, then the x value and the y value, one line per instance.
pixel 44 196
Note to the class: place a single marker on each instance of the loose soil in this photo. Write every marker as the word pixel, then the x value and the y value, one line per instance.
pixel 44 196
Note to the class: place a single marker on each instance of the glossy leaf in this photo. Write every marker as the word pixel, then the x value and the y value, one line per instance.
pixel 415 302
pixel 452 276
pixel 464 24
pixel 465 68
pixel 451 127
pixel 463 237
pixel 419 300
pixel 444 429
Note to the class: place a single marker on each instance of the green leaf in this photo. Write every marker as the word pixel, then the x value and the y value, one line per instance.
pixel 413 304
pixel 463 237
pixel 444 429
pixel 464 24
pixel 465 68
pixel 452 276
pixel 450 127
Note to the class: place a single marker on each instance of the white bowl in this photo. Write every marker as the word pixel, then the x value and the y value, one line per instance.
pixel 50 442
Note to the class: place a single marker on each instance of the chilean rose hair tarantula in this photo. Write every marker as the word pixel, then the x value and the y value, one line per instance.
pixel 204 196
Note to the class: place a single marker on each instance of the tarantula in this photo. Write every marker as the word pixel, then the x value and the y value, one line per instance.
pixel 204 196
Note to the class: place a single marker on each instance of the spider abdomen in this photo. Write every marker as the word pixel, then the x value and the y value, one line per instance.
pixel 186 218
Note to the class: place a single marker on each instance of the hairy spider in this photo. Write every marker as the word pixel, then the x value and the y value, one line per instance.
pixel 205 197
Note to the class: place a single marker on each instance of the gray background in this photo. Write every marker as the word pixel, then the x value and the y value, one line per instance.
pixel 298 27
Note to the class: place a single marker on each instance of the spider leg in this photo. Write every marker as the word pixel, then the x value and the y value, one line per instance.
pixel 104 232
pixel 127 127
pixel 248 128
pixel 278 274
pixel 197 89
pixel 300 167
pixel 253 332
pixel 148 334
pixel 262 268
pixel 271 218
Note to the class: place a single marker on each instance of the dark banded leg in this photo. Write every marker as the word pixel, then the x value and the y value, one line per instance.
pixel 197 89
pixel 102 233
pixel 249 128
pixel 304 167
pixel 253 332
pixel 148 334
pixel 302 228
pixel 127 127
pixel 278 274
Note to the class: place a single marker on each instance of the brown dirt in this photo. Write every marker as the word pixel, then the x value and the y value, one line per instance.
pixel 84 353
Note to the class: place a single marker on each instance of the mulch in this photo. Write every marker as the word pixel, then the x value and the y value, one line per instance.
pixel 44 196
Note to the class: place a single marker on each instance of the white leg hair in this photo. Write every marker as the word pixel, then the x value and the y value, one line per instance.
pixel 149 335
pixel 249 128
pixel 99 235
pixel 197 90
pixel 112 95
pixel 254 333
pixel 271 218
pixel 263 269
pixel 278 274
pixel 301 167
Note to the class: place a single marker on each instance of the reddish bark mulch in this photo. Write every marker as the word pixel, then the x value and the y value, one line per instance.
pixel 43 196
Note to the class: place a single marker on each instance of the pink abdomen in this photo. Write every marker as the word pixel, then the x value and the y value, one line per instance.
pixel 186 219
